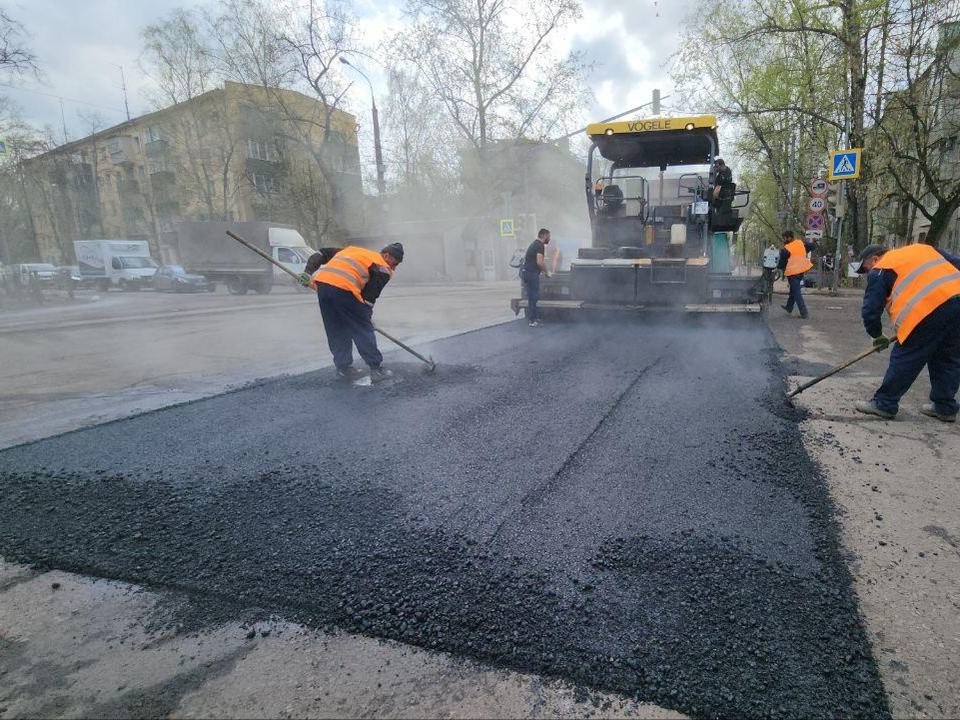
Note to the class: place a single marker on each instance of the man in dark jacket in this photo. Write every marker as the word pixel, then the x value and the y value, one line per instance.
pixel 919 285
pixel 533 265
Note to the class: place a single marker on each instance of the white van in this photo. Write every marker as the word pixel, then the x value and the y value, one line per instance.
pixel 125 264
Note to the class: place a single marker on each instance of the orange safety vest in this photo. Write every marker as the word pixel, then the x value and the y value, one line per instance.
pixel 925 281
pixel 349 270
pixel 798 263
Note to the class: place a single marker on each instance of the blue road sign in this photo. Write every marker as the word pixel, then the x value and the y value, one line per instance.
pixel 844 164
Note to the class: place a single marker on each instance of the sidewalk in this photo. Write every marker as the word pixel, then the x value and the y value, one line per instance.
pixel 897 485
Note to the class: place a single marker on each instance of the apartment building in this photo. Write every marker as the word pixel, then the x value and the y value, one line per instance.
pixel 239 152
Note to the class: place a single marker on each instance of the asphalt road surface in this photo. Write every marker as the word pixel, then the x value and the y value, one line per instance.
pixel 625 506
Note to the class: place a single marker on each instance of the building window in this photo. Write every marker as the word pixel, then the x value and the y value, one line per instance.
pixel 153 133
pixel 264 183
pixel 259 150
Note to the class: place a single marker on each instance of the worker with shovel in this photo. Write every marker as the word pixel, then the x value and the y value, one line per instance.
pixel 920 287
pixel 347 286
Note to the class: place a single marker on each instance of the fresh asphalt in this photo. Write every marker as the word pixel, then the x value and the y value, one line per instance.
pixel 624 505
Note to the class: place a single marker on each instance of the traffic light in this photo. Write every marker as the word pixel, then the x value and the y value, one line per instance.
pixel 834 201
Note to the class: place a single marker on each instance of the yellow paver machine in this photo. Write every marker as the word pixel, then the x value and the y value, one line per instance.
pixel 661 225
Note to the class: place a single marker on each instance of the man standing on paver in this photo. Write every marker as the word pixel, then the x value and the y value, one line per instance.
pixel 920 287
pixel 533 265
pixel 348 285
pixel 794 263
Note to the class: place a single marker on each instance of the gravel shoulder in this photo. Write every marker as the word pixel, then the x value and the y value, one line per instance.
pixel 897 484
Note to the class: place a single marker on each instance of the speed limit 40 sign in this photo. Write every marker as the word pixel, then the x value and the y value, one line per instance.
pixel 817 205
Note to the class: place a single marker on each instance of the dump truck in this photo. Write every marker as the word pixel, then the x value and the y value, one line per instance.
pixel 660 240
pixel 203 248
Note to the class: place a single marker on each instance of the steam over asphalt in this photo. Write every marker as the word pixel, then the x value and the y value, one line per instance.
pixel 625 506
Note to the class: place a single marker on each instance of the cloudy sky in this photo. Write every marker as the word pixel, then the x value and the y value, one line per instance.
pixel 81 45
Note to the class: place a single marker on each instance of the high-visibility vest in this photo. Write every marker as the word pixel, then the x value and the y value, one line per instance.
pixel 925 281
pixel 798 262
pixel 349 270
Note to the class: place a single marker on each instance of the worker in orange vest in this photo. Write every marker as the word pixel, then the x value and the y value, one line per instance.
pixel 919 285
pixel 348 284
pixel 794 263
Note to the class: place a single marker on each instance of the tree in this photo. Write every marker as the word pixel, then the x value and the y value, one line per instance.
pixel 16 57
pixel 490 64
pixel 918 127
pixel 178 58
pixel 421 151
pixel 801 64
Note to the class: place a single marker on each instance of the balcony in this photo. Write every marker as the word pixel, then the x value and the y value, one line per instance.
pixel 127 186
pixel 157 148
pixel 123 150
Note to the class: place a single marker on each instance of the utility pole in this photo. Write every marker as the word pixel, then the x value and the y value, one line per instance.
pixel 123 84
pixel 790 175
pixel 63 119
pixel 377 150
pixel 841 203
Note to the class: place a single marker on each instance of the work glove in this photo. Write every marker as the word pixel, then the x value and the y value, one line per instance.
pixel 881 343
pixel 304 279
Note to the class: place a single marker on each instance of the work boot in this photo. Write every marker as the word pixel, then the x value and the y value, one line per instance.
pixel 870 408
pixel 378 375
pixel 789 310
pixel 931 411
pixel 349 373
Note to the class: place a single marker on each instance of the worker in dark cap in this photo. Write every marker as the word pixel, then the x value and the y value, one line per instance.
pixel 348 283
pixel 919 286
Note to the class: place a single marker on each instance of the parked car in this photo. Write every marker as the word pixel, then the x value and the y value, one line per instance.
pixel 173 278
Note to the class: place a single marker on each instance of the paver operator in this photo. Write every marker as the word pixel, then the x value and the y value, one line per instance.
pixel 348 284
pixel 920 287
pixel 794 263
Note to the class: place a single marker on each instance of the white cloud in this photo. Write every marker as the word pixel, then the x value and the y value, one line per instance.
pixel 80 46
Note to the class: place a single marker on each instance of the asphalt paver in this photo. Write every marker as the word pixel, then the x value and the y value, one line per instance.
pixel 627 506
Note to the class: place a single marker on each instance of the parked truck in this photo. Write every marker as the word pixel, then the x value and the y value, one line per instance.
pixel 204 248
pixel 125 264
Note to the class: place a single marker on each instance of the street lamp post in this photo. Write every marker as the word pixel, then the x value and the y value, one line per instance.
pixel 378 152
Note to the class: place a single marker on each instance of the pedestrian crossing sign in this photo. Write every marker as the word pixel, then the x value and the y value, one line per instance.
pixel 844 164
pixel 506 228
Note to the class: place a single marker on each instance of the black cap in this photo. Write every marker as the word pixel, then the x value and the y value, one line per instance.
pixel 395 249
pixel 868 251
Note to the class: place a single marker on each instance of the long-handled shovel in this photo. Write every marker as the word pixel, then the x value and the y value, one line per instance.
pixel 431 366
pixel 832 371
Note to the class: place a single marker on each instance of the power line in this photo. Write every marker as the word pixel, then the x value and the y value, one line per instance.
pixel 60 97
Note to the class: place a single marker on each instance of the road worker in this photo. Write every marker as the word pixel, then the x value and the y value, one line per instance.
pixel 348 284
pixel 794 263
pixel 920 287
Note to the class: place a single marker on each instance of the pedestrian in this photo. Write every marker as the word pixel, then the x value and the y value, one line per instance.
pixel 348 284
pixel 533 265
pixel 919 285
pixel 794 263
